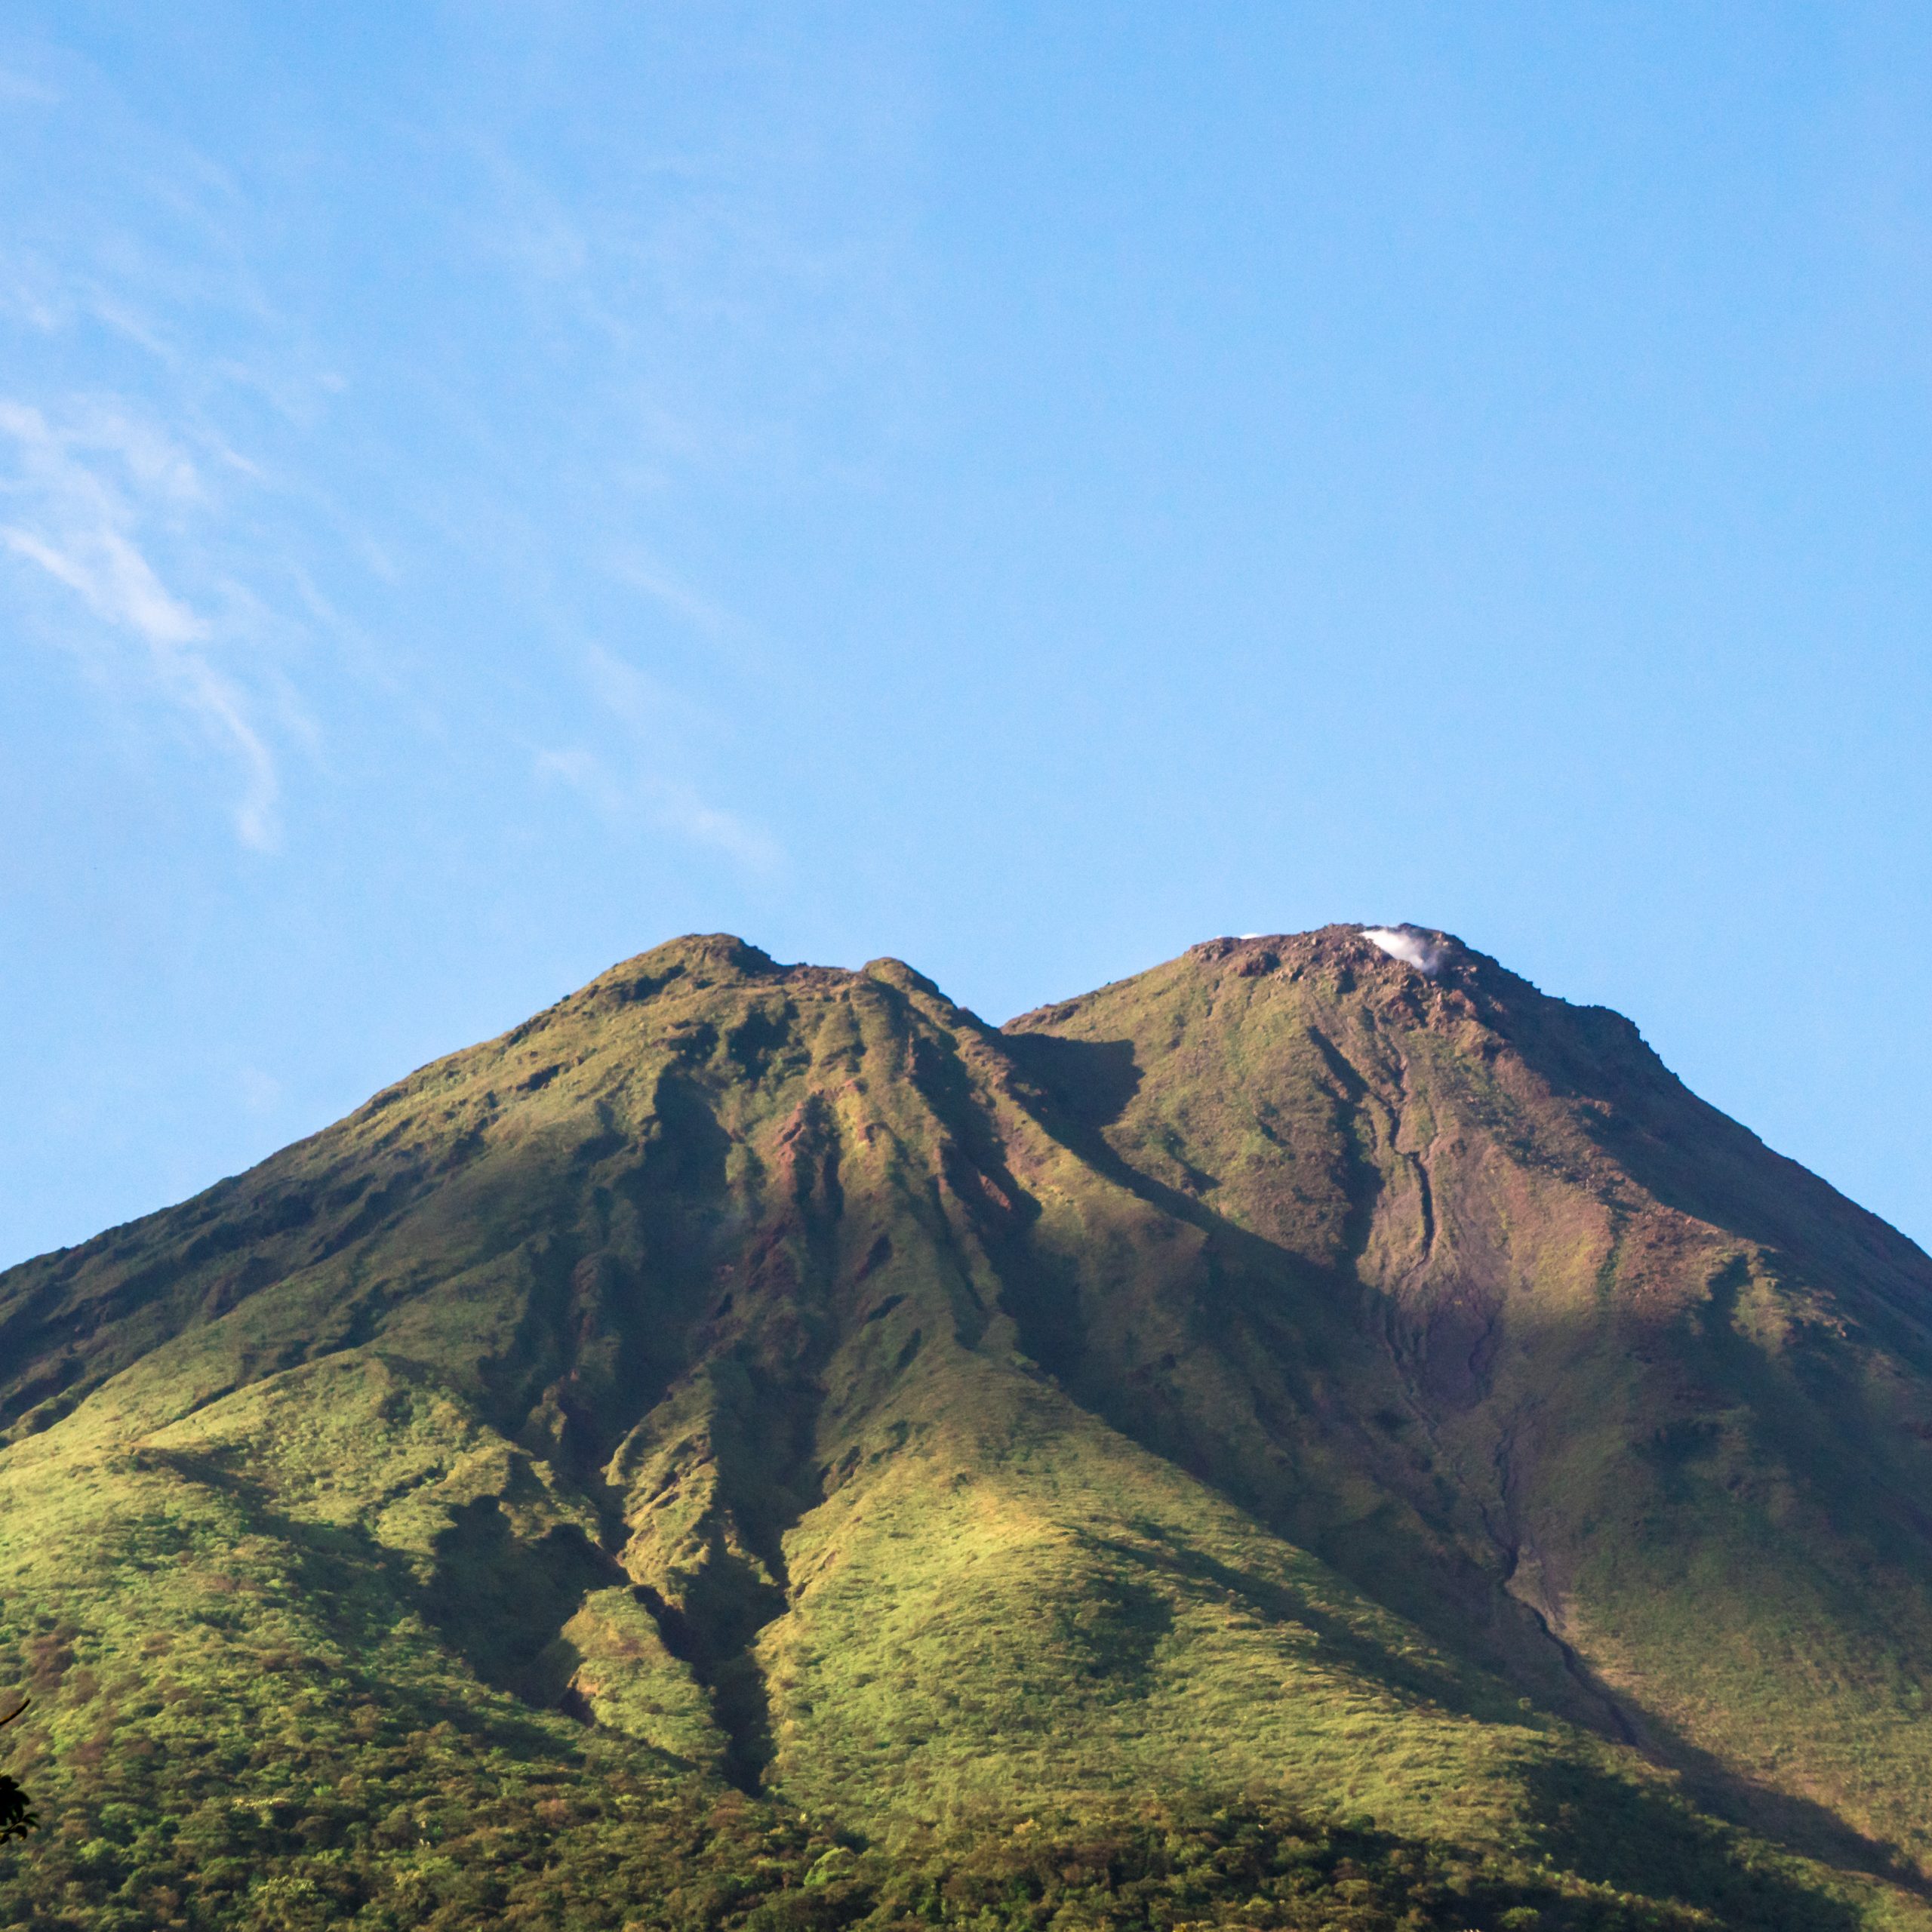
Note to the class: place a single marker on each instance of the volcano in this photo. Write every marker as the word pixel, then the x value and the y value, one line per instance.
pixel 1320 1427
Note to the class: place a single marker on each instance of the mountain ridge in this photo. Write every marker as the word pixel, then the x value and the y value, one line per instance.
pixel 1295 1368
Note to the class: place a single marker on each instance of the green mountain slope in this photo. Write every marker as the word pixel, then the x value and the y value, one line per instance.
pixel 757 1443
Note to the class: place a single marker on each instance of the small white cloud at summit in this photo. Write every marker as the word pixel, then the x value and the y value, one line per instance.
pixel 1410 945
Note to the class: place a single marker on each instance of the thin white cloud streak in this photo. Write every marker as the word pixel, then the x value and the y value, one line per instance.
pixel 647 708
pixel 81 492
pixel 653 717
pixel 667 803
pixel 142 541
pixel 710 619
pixel 115 580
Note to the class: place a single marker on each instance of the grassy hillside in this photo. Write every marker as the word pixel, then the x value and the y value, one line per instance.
pixel 1281 1441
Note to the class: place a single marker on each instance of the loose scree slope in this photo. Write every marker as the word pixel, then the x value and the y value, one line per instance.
pixel 1304 1435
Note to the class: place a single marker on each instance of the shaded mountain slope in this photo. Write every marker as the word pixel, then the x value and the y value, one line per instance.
pixel 1281 1373
pixel 1670 1389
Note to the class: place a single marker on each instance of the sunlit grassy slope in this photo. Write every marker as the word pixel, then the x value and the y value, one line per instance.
pixel 758 1444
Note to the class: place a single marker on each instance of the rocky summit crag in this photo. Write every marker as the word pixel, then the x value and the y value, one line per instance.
pixel 1319 1433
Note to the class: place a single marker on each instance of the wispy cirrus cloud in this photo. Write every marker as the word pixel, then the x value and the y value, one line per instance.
pixel 152 497
pixel 634 795
pixel 282 443
pixel 636 781
pixel 697 612
pixel 82 495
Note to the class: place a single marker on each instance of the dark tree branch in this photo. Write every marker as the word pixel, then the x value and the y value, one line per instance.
pixel 17 1817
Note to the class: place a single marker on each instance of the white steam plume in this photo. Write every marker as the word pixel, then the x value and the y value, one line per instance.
pixel 1410 945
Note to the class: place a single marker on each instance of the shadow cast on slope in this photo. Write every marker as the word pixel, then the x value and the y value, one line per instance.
pixel 498 1600
pixel 1082 1079
pixel 1337 1643
pixel 1613 1830
pixel 1094 1080
pixel 501 1602
pixel 362 1593
pixel 1308 1318
pixel 1616 1833
pixel 726 1602
pixel 1797 1824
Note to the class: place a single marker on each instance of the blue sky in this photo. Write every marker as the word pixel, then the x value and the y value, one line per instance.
pixel 484 489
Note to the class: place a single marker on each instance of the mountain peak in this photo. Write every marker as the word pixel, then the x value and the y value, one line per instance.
pixel 896 973
pixel 696 955
pixel 1422 949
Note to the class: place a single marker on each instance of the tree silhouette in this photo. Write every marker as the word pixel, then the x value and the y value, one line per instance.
pixel 18 1817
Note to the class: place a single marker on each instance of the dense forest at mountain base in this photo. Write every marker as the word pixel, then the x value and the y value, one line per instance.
pixel 439 1828
pixel 1294 1438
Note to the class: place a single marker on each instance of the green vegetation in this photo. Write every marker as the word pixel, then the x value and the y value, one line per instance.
pixel 1279 1441
pixel 433 1835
